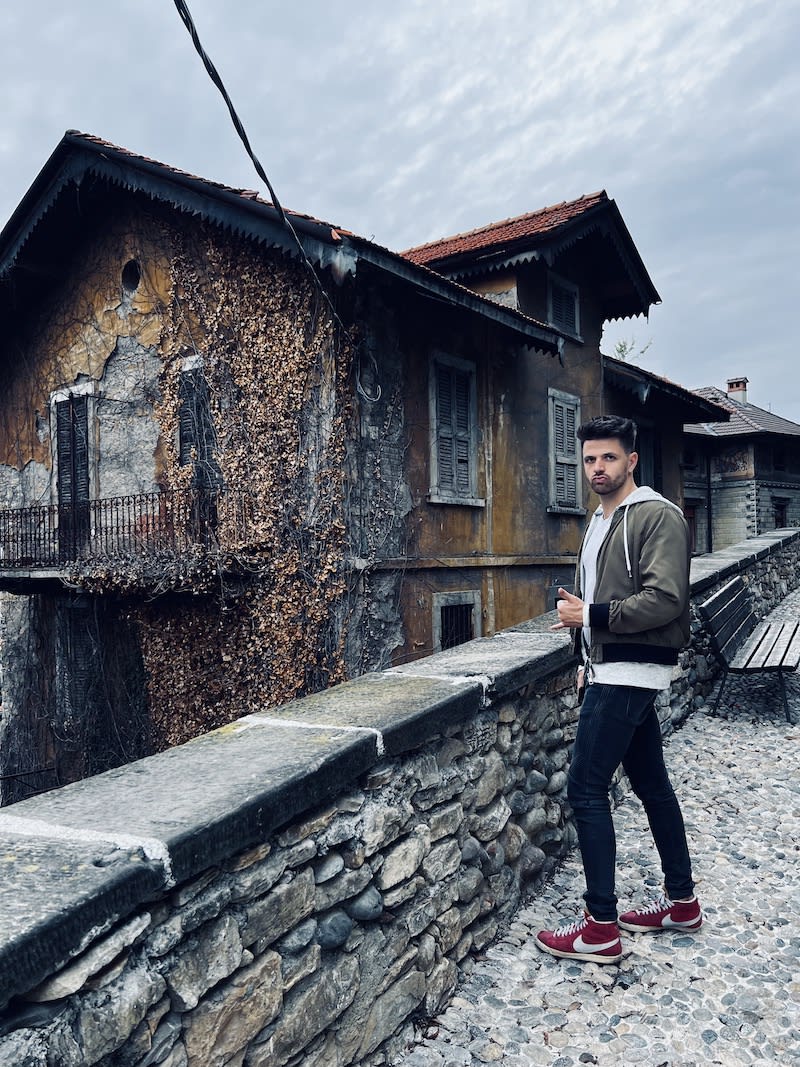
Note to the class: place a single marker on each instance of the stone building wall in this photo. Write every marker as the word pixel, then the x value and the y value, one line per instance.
pixel 301 885
pixel 733 509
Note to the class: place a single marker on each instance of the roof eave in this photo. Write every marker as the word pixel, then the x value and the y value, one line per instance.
pixel 532 333
pixel 640 382
pixel 76 156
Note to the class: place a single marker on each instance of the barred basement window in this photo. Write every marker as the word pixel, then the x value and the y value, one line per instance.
pixel 456 625
pixel 456 618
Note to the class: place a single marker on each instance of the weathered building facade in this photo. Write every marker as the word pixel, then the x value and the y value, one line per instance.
pixel 244 455
pixel 741 476
pixel 574 266
pixel 215 437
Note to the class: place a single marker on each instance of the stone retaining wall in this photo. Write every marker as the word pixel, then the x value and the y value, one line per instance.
pixel 296 887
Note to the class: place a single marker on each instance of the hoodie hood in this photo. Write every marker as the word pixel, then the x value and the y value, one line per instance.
pixel 641 494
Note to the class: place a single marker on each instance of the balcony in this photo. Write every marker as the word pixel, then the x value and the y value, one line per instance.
pixel 144 535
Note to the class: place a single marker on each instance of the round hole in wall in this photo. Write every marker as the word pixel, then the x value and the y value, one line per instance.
pixel 131 276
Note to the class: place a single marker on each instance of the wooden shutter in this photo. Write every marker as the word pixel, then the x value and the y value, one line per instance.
pixel 565 448
pixel 72 443
pixel 188 429
pixel 454 430
pixel 196 436
pixel 563 307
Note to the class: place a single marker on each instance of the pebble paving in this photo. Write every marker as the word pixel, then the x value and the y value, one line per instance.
pixel 726 994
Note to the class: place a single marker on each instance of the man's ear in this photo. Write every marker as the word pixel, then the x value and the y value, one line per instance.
pixel 633 459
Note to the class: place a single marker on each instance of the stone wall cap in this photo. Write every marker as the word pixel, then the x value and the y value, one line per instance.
pixel 402 711
pixel 501 664
pixel 713 567
pixel 58 895
pixel 192 805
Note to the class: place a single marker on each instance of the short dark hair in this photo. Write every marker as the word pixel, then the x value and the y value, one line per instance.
pixel 610 426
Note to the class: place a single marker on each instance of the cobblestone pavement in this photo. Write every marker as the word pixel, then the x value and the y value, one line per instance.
pixel 727 994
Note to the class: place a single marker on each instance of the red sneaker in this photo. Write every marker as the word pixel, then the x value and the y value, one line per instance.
pixel 663 914
pixel 584 939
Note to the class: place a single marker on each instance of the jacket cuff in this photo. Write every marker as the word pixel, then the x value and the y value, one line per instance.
pixel 599 615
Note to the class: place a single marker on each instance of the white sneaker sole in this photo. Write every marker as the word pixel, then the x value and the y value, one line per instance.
pixel 587 957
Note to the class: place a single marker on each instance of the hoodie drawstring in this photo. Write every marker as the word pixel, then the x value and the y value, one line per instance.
pixel 625 540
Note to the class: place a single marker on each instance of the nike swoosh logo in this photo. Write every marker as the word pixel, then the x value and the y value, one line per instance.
pixel 579 945
pixel 667 921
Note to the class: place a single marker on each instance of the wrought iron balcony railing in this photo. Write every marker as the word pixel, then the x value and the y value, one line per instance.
pixel 123 527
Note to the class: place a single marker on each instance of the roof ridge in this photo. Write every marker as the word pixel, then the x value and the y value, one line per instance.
pixel 736 407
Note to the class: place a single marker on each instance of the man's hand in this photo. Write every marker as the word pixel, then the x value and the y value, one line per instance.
pixel 570 611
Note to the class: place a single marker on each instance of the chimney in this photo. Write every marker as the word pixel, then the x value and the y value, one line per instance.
pixel 737 390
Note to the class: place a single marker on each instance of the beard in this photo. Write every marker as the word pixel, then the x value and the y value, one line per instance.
pixel 608 484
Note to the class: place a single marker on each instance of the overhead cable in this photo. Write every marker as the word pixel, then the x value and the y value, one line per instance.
pixel 213 73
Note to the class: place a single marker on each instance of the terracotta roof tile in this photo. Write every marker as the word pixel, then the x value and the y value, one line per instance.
pixel 508 232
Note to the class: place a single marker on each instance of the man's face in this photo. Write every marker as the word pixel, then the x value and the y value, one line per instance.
pixel 607 465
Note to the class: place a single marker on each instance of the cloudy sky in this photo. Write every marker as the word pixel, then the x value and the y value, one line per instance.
pixel 408 120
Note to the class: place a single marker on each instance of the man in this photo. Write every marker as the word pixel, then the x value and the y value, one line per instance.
pixel 630 614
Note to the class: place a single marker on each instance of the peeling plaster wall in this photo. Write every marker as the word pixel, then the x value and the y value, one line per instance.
pixel 94 336
pixel 127 430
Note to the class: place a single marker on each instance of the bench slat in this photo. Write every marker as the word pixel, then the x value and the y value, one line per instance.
pixel 722 610
pixel 755 650
pixel 774 662
pixel 791 658
pixel 730 630
pixel 723 596
pixel 745 645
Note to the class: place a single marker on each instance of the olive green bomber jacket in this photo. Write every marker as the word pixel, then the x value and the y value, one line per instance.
pixel 640 611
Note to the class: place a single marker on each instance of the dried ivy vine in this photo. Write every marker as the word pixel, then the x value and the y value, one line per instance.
pixel 268 626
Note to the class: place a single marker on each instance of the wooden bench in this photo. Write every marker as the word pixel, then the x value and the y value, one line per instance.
pixel 743 643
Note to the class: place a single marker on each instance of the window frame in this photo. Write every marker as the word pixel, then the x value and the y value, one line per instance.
pixel 194 412
pixel 437 493
pixel 458 598
pixel 557 397
pixel 555 281
pixel 87 390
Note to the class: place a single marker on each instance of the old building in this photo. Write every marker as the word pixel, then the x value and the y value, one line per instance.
pixel 741 476
pixel 245 454
pixel 575 266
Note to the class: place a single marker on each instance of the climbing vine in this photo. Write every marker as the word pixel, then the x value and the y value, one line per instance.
pixel 264 627
pixel 171 325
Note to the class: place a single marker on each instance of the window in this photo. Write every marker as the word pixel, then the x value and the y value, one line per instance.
pixel 780 508
pixel 456 619
pixel 72 415
pixel 564 417
pixel 563 305
pixel 453 420
pixel 196 437
pixel 690 514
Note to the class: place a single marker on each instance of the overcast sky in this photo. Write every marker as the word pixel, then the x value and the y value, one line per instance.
pixel 408 120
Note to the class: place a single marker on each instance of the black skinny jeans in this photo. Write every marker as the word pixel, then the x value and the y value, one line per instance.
pixel 618 724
